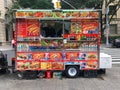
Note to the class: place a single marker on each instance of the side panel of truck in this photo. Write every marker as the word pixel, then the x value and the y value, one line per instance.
pixel 76 44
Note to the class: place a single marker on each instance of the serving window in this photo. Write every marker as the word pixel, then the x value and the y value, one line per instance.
pixel 54 28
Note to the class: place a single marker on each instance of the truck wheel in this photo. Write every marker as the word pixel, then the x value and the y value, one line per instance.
pixel 72 71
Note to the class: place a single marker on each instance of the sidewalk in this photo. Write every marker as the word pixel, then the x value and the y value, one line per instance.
pixel 6 47
pixel 102 46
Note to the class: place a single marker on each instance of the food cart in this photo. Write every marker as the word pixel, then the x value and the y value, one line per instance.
pixel 58 40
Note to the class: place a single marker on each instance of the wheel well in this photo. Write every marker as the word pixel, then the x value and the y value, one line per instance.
pixel 72 65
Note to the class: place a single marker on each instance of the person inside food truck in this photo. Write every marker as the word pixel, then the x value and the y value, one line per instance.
pixel 49 31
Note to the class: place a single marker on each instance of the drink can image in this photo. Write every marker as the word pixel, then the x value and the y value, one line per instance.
pixel 30 56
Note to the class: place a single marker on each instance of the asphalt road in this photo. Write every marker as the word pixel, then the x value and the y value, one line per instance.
pixel 109 81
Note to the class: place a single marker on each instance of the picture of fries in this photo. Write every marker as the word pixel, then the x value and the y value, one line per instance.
pixel 33 28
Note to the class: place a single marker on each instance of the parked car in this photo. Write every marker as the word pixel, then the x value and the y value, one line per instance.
pixel 116 42
pixel 3 63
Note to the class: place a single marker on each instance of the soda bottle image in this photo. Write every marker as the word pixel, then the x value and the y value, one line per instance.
pixel 64 55
pixel 30 56
pixel 46 56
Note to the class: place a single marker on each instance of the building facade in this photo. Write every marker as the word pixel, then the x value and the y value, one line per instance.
pixel 114 28
pixel 114 25
pixel 5 30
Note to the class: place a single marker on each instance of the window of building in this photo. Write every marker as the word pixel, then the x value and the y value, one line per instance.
pixel 113 28
pixel 5 4
pixel 7 36
pixel 112 9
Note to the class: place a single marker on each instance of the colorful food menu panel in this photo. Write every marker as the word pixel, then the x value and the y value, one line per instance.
pixel 39 46
pixel 36 65
pixel 64 14
pixel 57 56
pixel 25 65
pixel 27 28
pixel 88 65
pixel 21 27
pixel 55 61
pixel 90 27
pixel 33 27
pixel 76 28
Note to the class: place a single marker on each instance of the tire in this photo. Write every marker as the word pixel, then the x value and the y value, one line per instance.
pixel 72 71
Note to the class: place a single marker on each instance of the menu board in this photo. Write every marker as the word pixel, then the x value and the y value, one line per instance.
pixel 21 28
pixel 64 14
pixel 33 28
pixel 28 65
pixel 76 28
pixel 90 27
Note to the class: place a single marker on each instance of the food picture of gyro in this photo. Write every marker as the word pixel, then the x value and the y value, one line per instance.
pixel 55 56
pixel 22 56
pixel 39 56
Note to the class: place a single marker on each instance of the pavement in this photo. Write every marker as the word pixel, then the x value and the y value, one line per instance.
pixel 109 81
pixel 6 48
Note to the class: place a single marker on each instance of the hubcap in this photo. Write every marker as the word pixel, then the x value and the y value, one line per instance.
pixel 72 71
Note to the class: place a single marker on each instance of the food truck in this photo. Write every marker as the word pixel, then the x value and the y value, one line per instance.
pixel 58 40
